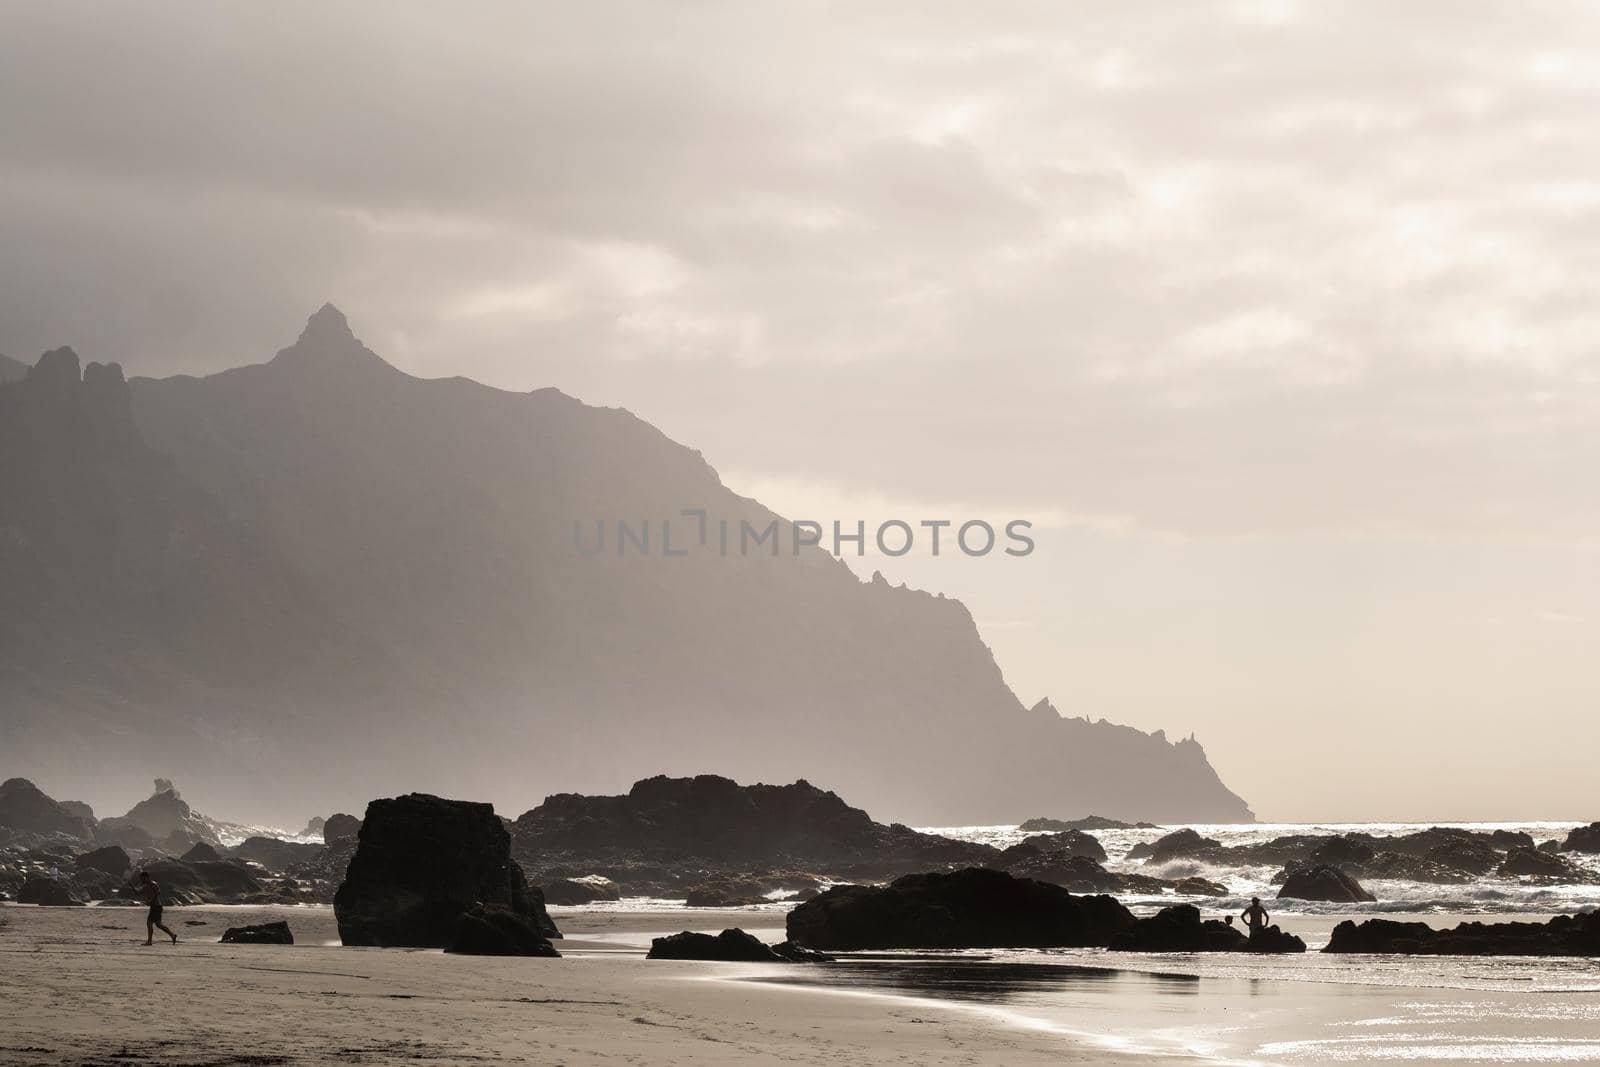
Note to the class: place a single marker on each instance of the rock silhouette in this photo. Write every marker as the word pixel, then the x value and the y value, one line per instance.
pixel 498 930
pixel 1564 935
pixel 1323 883
pixel 421 862
pixel 324 543
pixel 276 933
pixel 971 908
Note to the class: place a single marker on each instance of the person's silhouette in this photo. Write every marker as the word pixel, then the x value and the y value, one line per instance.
pixel 1256 916
pixel 151 891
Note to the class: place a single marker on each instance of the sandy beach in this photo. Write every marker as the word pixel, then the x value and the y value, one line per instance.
pixel 77 986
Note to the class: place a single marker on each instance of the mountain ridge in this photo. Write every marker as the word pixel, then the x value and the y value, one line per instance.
pixel 391 560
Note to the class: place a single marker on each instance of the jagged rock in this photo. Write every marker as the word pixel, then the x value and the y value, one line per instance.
pixel 1511 839
pixel 1088 822
pixel 1581 839
pixel 275 854
pixel 726 893
pixel 1176 845
pixel 497 930
pixel 1066 843
pixel 1531 861
pixel 110 860
pixel 23 806
pixel 1406 868
pixel 202 852
pixel 1477 857
pixel 49 892
pixel 314 827
pixel 971 908
pixel 203 882
pixel 1323 883
pixel 1564 935
pixel 1551 845
pixel 340 827
pixel 420 863
pixel 584 890
pixel 732 945
pixel 264 934
pixel 1340 851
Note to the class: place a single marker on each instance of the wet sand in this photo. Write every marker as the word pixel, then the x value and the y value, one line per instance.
pixel 77 986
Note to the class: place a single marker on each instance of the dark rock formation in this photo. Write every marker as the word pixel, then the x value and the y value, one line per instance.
pixel 498 930
pixel 1323 883
pixel 1181 929
pixel 731 945
pixel 1522 861
pixel 420 863
pixel 110 860
pixel 275 854
pixel 1581 839
pixel 584 890
pixel 1088 822
pixel 1564 935
pixel 1065 843
pixel 204 882
pixel 971 908
pixel 1474 856
pixel 1084 875
pixel 725 894
pixel 23 806
pixel 264 934
pixel 1179 844
pixel 340 827
pixel 49 892
pixel 667 835
pixel 201 852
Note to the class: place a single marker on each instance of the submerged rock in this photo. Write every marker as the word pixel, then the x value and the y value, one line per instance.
pixel 1583 839
pixel 262 934
pixel 1541 864
pixel 1324 883
pixel 584 890
pixel 1178 844
pixel 1088 822
pixel 497 930
pixel 420 863
pixel 971 908
pixel 1564 935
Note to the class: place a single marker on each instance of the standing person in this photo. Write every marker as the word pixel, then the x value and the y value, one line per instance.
pixel 151 891
pixel 1256 916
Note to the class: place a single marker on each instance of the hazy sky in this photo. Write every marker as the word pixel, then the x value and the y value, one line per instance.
pixel 1278 319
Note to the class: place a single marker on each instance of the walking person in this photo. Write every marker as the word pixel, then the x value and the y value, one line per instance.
pixel 151 891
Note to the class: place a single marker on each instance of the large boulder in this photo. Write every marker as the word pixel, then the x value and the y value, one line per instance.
pixel 1176 845
pixel 1564 935
pixel 1535 863
pixel 971 908
pixel 421 862
pixel 201 852
pixel 584 890
pixel 1324 883
pixel 203 882
pixel 669 833
pixel 49 892
pixel 274 853
pixel 731 945
pixel 1583 839
pixel 262 934
pixel 23 806
pixel 1066 843
pixel 497 930
pixel 1180 928
pixel 110 860
pixel 1475 855
pixel 340 827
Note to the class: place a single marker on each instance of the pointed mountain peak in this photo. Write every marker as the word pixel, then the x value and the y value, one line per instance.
pixel 327 342
pixel 327 324
pixel 1044 707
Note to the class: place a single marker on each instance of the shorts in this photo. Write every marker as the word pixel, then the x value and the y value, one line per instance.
pixel 155 913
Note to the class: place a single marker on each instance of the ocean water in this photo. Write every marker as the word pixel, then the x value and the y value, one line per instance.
pixel 1482 897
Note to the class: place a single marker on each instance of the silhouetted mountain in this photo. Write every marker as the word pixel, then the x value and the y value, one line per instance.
pixel 318 579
